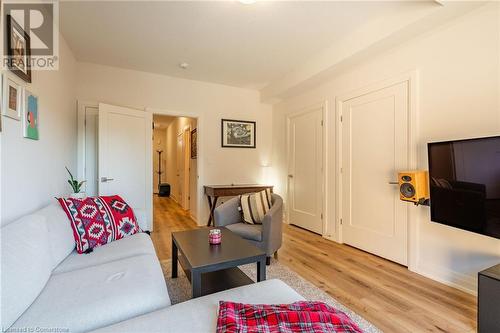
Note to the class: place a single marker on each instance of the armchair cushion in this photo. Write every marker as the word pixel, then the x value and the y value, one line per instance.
pixel 247 231
pixel 255 206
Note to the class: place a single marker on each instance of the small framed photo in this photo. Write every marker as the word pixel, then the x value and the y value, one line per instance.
pixel 12 98
pixel 238 133
pixel 194 144
pixel 30 116
pixel 18 50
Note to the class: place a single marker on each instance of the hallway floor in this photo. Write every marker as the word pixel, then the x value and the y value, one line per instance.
pixel 385 293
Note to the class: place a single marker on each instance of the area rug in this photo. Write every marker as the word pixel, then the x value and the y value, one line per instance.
pixel 179 289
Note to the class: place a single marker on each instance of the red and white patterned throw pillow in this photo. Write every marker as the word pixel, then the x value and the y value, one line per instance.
pixel 99 220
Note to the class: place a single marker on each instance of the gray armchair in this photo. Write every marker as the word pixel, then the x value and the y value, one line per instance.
pixel 267 236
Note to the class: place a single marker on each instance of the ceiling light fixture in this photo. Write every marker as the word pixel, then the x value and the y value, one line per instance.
pixel 184 65
pixel 247 2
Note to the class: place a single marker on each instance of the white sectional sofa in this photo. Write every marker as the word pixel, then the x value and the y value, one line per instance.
pixel 119 287
pixel 45 284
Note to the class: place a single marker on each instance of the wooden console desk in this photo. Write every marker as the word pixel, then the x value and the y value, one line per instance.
pixel 213 192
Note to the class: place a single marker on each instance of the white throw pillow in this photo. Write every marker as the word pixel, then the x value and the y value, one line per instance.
pixel 255 206
pixel 61 240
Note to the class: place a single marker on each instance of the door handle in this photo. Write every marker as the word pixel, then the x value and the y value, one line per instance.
pixel 106 179
pixel 290 176
pixel 393 183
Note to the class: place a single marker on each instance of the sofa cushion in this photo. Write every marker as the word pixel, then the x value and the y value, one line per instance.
pixel 200 315
pixel 126 247
pixel 99 220
pixel 98 296
pixel 247 231
pixel 61 239
pixel 26 265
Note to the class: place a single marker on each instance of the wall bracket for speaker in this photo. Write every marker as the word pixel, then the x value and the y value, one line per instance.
pixel 423 202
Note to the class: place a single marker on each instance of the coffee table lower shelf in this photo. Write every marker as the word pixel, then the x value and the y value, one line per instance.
pixel 213 282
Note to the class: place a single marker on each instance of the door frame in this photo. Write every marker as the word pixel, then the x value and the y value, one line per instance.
pixel 81 136
pixel 324 110
pixel 413 228
pixel 202 208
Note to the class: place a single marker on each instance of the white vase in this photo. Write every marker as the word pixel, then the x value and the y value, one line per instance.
pixel 81 195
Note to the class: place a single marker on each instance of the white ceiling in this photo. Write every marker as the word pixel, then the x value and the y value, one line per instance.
pixel 223 41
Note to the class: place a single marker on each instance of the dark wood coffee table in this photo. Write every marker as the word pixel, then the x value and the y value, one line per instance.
pixel 213 268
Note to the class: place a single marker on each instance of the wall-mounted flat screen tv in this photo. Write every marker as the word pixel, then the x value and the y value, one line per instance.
pixel 464 178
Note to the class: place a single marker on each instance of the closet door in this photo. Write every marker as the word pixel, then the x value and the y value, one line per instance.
pixel 125 156
pixel 374 148
pixel 305 170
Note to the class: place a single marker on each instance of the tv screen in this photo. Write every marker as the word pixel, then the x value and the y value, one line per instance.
pixel 464 178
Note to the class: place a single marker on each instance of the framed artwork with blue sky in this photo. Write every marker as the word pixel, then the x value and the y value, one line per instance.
pixel 30 116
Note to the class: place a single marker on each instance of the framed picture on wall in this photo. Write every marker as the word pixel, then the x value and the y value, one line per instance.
pixel 18 50
pixel 194 144
pixel 12 98
pixel 238 133
pixel 30 116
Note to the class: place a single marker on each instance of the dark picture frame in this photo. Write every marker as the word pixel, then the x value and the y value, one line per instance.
pixel 194 144
pixel 18 50
pixel 238 133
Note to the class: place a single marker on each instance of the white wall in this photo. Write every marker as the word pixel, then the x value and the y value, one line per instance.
pixel 32 172
pixel 209 102
pixel 459 97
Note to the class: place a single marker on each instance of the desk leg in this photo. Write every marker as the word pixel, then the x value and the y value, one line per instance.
pixel 212 206
pixel 209 207
pixel 175 254
pixel 195 284
pixel 261 270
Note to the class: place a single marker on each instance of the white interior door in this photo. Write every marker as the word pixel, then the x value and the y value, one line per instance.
pixel 125 156
pixel 180 170
pixel 374 148
pixel 186 158
pixel 179 163
pixel 91 148
pixel 305 170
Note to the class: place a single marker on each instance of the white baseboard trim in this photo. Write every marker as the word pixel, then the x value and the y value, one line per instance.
pixel 332 238
pixel 464 282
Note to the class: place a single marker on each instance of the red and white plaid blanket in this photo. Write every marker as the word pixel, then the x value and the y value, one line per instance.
pixel 307 317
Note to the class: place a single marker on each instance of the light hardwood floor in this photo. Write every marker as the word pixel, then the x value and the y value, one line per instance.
pixel 385 293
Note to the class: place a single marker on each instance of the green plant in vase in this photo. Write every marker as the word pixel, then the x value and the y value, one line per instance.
pixel 76 186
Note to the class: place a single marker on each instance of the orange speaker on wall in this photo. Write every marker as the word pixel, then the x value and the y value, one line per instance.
pixel 414 186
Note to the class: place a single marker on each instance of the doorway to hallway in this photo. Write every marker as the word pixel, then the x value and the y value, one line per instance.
pixel 175 163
